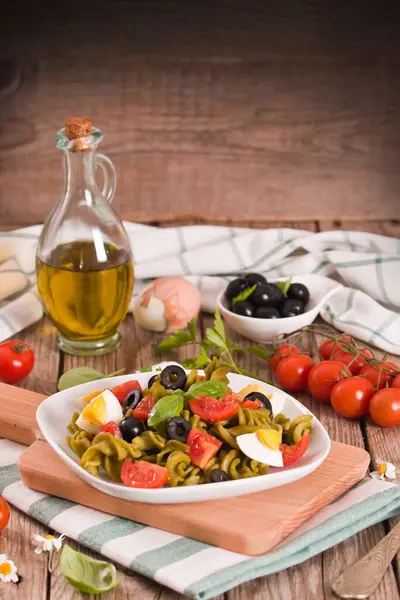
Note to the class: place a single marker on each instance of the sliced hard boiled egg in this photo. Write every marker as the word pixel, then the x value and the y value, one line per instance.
pixel 89 397
pixel 263 446
pixel 249 389
pixel 102 409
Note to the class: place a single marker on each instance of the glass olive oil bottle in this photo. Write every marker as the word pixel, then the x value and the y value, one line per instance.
pixel 84 265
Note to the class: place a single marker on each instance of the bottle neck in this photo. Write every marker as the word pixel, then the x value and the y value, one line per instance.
pixel 80 179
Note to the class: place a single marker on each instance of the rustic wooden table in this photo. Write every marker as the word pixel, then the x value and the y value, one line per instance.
pixel 311 580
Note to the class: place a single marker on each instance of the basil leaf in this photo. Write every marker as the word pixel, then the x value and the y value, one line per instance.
pixel 166 408
pixel 213 389
pixel 87 574
pixel 80 375
pixel 284 285
pixel 244 294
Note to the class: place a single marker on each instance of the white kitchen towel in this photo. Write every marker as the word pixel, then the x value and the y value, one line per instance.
pixel 368 307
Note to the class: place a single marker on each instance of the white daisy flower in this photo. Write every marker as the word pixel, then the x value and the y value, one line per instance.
pixel 47 543
pixel 8 570
pixel 384 470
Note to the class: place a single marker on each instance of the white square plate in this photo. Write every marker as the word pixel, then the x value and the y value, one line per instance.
pixel 54 414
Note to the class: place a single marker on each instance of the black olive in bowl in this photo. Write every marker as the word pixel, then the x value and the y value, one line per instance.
pixel 292 308
pixel 267 294
pixel 235 287
pixel 298 291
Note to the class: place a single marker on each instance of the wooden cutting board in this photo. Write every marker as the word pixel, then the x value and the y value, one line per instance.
pixel 251 524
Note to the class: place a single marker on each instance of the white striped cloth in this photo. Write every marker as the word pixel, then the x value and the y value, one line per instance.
pixel 368 307
pixel 185 565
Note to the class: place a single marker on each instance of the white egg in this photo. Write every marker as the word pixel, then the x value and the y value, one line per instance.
pixel 277 400
pixel 102 409
pixel 251 446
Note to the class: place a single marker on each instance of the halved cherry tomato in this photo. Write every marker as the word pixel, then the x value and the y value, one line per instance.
pixel 141 474
pixel 212 410
pixel 324 376
pixel 380 375
pixel 143 408
pixel 292 453
pixel 354 362
pixel 384 407
pixel 328 347
pixel 292 372
pixel 351 397
pixel 113 428
pixel 252 404
pixel 202 447
pixel 122 390
pixel 282 352
pixel 4 513
pixel 396 382
pixel 16 361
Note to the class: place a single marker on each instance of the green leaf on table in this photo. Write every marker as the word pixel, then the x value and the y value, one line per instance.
pixel 192 328
pixel 244 294
pixel 189 363
pixel 197 363
pixel 87 574
pixel 284 285
pixel 264 353
pixel 145 369
pixel 166 408
pixel 215 338
pixel 178 338
pixel 80 375
pixel 212 389
pixel 219 325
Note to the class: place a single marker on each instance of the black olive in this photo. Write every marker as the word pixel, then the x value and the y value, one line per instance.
pixel 262 397
pixel 132 399
pixel 292 308
pixel 299 291
pixel 178 429
pixel 151 380
pixel 132 427
pixel 235 287
pixel 243 308
pixel 267 312
pixel 218 475
pixel 255 278
pixel 173 377
pixel 267 294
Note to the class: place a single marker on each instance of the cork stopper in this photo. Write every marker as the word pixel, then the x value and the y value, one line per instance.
pixel 76 127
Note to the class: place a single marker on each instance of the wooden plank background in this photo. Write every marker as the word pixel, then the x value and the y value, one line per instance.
pixel 258 110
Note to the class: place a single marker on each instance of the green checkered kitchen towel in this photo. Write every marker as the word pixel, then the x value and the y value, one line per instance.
pixel 185 565
pixel 368 306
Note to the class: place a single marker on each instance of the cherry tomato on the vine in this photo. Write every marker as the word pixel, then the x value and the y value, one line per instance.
pixel 396 382
pixel 328 347
pixel 384 407
pixel 351 397
pixel 380 375
pixel 355 362
pixel 4 513
pixel 282 352
pixel 292 372
pixel 16 361
pixel 324 376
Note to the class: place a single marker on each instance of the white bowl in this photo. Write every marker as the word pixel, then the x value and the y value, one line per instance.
pixel 270 330
pixel 54 414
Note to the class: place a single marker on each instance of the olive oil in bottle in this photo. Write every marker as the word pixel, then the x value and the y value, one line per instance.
pixel 85 299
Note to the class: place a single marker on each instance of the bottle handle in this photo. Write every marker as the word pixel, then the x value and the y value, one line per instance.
pixel 110 176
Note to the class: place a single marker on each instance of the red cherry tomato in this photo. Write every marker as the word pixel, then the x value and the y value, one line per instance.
pixel 354 362
pixel 122 390
pixel 282 352
pixel 396 382
pixel 292 453
pixel 328 347
pixel 384 407
pixel 113 428
pixel 292 372
pixel 16 361
pixel 252 404
pixel 143 408
pixel 324 376
pixel 380 375
pixel 4 513
pixel 351 397
pixel 212 410
pixel 142 474
pixel 202 447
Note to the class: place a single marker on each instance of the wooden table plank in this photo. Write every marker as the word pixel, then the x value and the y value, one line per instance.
pixel 382 227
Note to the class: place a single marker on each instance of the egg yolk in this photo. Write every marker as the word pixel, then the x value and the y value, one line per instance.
pixel 270 438
pixel 96 412
pixel 89 397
